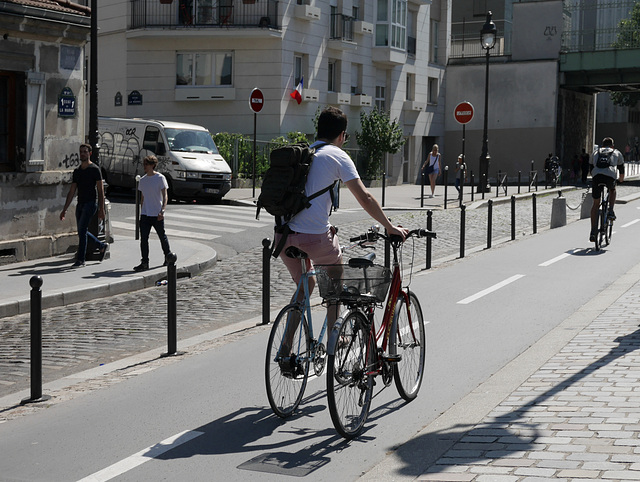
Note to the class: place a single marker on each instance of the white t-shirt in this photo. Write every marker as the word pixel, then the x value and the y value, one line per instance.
pixel 329 164
pixel 151 188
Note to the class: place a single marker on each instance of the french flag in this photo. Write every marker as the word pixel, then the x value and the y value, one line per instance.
pixel 297 94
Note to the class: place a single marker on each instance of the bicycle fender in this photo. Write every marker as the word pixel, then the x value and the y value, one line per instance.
pixel 333 336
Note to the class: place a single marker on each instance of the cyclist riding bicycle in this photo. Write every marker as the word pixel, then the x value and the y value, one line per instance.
pixel 604 162
pixel 310 228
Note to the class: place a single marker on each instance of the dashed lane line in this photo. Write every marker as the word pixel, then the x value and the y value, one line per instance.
pixel 490 290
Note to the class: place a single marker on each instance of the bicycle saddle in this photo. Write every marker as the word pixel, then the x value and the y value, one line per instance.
pixel 296 253
pixel 363 262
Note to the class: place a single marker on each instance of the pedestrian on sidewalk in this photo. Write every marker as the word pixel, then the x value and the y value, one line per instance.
pixel 153 188
pixel 606 162
pixel 87 181
pixel 584 164
pixel 432 167
pixel 461 174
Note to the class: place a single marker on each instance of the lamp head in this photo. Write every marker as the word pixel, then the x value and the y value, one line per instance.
pixel 488 33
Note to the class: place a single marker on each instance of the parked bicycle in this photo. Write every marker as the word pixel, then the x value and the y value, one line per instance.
pixel 358 351
pixel 605 221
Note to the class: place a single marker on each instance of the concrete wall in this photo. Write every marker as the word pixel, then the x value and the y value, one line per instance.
pixel 537 28
pixel 521 114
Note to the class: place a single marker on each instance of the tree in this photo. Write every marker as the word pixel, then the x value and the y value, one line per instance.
pixel 379 136
pixel 628 38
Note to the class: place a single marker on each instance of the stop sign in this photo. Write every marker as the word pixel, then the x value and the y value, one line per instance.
pixel 463 112
pixel 256 100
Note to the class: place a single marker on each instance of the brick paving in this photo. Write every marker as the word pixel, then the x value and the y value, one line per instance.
pixel 81 336
pixel 575 418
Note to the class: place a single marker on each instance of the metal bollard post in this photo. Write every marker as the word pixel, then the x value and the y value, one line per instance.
pixel 489 222
pixel 36 343
pixel 172 312
pixel 461 193
pixel 519 180
pixel 513 218
pixel 137 207
pixel 498 184
pixel 429 227
pixel 535 222
pixel 266 280
pixel 422 190
pixel 387 252
pixel 483 179
pixel 445 180
pixel 463 211
pixel 473 183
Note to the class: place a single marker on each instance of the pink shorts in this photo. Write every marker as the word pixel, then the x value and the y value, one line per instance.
pixel 322 249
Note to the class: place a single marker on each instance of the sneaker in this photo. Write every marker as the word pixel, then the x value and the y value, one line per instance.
pixel 78 264
pixel 102 252
pixel 612 215
pixel 592 236
pixel 141 267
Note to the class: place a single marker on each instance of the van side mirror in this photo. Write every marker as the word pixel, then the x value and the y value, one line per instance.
pixel 161 150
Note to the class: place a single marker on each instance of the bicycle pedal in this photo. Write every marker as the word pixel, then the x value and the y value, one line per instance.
pixel 392 358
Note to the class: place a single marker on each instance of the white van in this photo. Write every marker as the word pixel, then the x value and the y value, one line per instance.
pixel 186 153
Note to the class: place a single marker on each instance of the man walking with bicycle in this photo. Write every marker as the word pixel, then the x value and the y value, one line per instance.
pixel 311 230
pixel 606 161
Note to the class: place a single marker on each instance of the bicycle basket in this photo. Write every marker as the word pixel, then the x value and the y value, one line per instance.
pixel 343 282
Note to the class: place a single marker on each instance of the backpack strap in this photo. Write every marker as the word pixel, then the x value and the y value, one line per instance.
pixel 284 231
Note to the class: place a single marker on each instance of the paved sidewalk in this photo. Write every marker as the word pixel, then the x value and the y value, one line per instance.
pixel 568 408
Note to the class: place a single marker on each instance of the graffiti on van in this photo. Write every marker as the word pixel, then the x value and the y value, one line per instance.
pixel 120 151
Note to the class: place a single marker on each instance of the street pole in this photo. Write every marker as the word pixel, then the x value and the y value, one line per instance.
pixel 93 89
pixel 487 41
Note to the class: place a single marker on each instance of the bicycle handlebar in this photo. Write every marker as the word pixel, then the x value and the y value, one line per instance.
pixel 373 235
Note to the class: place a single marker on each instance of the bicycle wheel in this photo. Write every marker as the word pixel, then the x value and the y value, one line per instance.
pixel 286 373
pixel 408 339
pixel 349 381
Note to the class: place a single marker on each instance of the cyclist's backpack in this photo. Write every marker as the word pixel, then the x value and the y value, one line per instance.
pixel 603 160
pixel 282 193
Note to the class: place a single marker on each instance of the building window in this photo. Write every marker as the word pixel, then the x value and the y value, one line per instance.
pixel 432 90
pixel 433 53
pixel 410 87
pixel 391 23
pixel 380 98
pixel 356 79
pixel 332 80
pixel 297 69
pixel 204 69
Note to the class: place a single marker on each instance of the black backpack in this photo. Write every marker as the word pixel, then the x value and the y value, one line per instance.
pixel 603 161
pixel 282 193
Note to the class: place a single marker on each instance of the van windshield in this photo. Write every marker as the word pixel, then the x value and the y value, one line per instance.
pixel 185 140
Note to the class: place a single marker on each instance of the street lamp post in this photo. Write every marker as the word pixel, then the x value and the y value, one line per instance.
pixel 487 40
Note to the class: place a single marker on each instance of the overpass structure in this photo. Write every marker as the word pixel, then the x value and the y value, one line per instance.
pixel 601 46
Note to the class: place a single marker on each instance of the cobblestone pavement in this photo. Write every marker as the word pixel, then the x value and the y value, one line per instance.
pixel 576 418
pixel 84 335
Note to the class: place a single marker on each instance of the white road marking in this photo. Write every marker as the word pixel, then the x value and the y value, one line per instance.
pixel 205 227
pixel 489 290
pixel 558 258
pixel 141 457
pixel 170 232
pixel 630 223
pixel 234 222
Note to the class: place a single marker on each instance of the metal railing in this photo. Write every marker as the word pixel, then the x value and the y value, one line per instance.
pixel 204 13
pixel 341 27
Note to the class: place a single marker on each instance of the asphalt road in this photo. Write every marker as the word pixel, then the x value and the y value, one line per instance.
pixel 204 416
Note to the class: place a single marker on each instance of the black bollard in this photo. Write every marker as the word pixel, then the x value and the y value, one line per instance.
pixel 489 222
pixel 429 228
pixel 36 343
pixel 172 312
pixel 387 252
pixel 266 280
pixel 483 179
pixel 498 184
pixel 513 218
pixel 535 222
pixel 519 180
pixel 422 190
pixel 137 208
pixel 463 211
pixel 471 185
pixel 446 182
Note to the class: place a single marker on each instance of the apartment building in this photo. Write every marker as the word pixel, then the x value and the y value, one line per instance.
pixel 198 61
pixel 42 118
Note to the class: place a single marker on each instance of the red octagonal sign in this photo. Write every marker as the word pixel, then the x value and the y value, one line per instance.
pixel 463 112
pixel 256 100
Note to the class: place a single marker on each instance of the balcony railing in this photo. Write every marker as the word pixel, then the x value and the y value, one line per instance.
pixel 204 13
pixel 468 47
pixel 341 27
